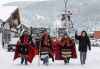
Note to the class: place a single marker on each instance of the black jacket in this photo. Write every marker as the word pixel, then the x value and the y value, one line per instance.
pixel 84 43
pixel 23 49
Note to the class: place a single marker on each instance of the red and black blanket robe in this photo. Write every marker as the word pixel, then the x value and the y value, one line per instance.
pixel 58 46
pixel 46 47
pixel 32 50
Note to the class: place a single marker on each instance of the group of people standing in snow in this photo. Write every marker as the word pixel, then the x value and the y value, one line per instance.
pixel 62 48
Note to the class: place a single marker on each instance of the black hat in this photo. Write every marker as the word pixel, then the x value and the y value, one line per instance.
pixel 65 34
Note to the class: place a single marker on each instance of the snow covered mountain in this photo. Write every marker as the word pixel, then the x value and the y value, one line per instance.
pixel 46 13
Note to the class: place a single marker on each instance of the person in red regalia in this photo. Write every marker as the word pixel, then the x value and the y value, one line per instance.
pixel 46 50
pixel 65 49
pixel 24 49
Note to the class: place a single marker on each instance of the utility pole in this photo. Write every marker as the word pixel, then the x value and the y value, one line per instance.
pixel 67 24
pixel 66 3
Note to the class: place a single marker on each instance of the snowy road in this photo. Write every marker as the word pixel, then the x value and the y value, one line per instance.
pixel 93 62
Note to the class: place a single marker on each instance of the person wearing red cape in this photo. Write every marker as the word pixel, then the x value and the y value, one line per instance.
pixel 65 49
pixel 24 49
pixel 46 50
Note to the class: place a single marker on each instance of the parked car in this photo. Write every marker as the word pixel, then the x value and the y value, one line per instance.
pixel 95 42
pixel 12 44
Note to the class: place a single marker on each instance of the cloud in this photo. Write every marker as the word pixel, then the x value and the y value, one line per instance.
pixel 8 1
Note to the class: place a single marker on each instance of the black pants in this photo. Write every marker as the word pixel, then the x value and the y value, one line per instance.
pixel 66 60
pixel 51 56
pixel 83 57
pixel 23 59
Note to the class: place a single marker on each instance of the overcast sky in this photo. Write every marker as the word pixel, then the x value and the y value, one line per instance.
pixel 6 1
pixel 85 12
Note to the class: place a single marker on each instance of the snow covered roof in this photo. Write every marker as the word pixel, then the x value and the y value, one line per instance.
pixel 97 29
pixel 8 1
pixel 6 11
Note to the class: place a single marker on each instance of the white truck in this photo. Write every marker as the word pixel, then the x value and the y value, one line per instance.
pixel 12 44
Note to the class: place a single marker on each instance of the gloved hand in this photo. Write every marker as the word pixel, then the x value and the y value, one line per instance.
pixel 89 49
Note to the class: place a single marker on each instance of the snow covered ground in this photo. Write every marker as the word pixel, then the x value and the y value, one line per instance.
pixel 93 62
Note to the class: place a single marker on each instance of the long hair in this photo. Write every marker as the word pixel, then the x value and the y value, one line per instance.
pixel 86 35
pixel 67 40
pixel 43 38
